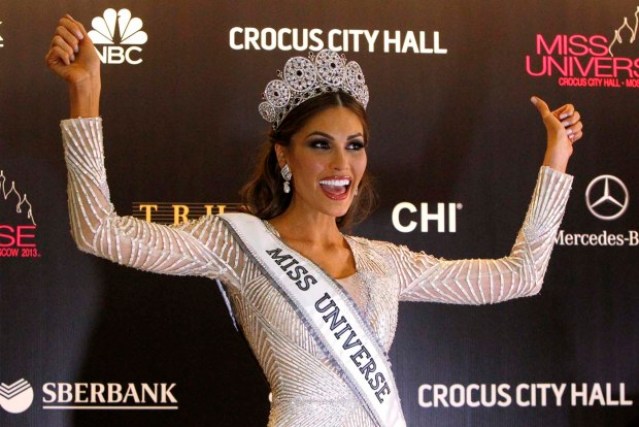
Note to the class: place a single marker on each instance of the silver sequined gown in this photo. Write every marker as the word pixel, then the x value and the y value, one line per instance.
pixel 307 390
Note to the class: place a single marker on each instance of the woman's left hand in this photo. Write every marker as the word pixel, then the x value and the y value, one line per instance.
pixel 563 128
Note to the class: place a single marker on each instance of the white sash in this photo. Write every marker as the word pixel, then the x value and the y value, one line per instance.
pixel 330 316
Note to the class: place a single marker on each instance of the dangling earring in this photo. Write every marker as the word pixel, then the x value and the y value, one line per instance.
pixel 287 175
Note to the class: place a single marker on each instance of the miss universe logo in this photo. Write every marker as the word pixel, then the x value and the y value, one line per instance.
pixel 18 234
pixel 597 60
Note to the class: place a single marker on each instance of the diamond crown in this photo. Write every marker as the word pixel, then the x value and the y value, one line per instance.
pixel 306 78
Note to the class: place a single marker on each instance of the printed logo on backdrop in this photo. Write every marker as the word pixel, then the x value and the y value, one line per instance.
pixel 117 37
pixel 1 39
pixel 440 217
pixel 17 223
pixel 109 396
pixel 523 395
pixel 177 213
pixel 608 60
pixel 625 34
pixel 339 40
pixel 17 397
pixel 606 198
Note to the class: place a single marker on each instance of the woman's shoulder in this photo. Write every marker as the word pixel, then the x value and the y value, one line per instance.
pixel 396 253
pixel 368 247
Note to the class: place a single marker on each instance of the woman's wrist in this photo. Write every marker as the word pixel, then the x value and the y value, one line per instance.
pixel 557 159
pixel 84 98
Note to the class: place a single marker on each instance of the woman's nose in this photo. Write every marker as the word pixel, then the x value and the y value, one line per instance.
pixel 338 162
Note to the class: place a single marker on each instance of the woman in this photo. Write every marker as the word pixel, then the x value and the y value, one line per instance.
pixel 318 308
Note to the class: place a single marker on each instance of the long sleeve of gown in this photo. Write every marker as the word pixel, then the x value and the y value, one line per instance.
pixel 486 281
pixel 97 229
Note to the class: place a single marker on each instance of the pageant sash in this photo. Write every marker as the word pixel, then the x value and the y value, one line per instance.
pixel 330 316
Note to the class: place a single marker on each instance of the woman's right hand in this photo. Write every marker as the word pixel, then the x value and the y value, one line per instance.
pixel 73 57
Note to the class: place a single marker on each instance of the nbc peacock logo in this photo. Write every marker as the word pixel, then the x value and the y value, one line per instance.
pixel 17 397
pixel 117 37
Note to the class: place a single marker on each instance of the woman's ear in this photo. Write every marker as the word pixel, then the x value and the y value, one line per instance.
pixel 280 153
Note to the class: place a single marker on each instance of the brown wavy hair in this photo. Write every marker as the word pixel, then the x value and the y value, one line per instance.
pixel 264 196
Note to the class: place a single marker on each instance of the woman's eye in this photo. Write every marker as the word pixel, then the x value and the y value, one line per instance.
pixel 356 145
pixel 324 145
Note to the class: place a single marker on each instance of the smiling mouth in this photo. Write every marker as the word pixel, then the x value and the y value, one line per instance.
pixel 336 188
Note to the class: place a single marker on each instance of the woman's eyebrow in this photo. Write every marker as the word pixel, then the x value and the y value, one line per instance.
pixel 325 135
pixel 318 133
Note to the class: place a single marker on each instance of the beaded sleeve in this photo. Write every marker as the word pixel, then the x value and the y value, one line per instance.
pixel 204 247
pixel 98 230
pixel 425 278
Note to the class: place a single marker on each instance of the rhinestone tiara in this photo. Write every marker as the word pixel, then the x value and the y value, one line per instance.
pixel 306 78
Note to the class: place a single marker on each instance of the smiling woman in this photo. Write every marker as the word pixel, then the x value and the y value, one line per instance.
pixel 318 308
pixel 265 195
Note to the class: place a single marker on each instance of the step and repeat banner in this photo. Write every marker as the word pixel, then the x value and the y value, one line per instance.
pixel 455 150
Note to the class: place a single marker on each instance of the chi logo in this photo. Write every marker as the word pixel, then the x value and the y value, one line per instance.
pixel 17 397
pixel 129 37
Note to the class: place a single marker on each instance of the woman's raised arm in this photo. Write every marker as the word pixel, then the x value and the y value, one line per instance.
pixel 483 281
pixel 191 249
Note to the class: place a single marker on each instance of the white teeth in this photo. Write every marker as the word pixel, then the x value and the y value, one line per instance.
pixel 336 182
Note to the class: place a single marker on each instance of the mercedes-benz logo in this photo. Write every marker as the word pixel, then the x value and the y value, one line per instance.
pixel 607 197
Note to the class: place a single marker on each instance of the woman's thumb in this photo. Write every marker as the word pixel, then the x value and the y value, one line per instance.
pixel 542 107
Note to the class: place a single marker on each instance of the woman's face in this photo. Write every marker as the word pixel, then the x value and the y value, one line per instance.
pixel 327 157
